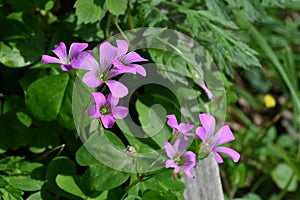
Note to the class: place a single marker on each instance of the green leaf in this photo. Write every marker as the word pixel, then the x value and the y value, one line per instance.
pixel 231 97
pixel 59 165
pixel 89 11
pixel 282 174
pixel 161 195
pixel 238 176
pixel 65 116
pixel 116 7
pixel 153 122
pixel 294 164
pixel 100 177
pixel 35 196
pixel 11 56
pixel 24 118
pixel 24 183
pixel 94 149
pixel 10 193
pixel 68 184
pixel 44 97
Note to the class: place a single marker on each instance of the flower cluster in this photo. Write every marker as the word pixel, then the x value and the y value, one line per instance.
pixel 117 60
pixel 113 61
pixel 180 158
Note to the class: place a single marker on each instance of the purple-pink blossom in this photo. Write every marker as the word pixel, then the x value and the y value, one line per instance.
pixel 211 142
pixel 106 109
pixel 65 58
pixel 180 131
pixel 206 90
pixel 102 71
pixel 126 62
pixel 180 158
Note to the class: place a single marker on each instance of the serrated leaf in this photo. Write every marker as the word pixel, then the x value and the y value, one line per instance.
pixel 89 11
pixel 44 97
pixel 116 7
pixel 25 183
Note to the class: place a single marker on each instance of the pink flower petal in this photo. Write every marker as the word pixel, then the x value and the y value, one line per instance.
pixel 172 121
pixel 122 47
pixel 171 163
pixel 224 135
pixel 218 158
pixel 61 52
pixel 230 152
pixel 91 80
pixel 189 163
pixel 208 123
pixel 169 149
pixel 123 68
pixel 66 67
pixel 93 111
pixel 113 101
pixel 139 69
pixel 117 89
pixel 85 60
pixel 206 90
pixel 180 146
pixel 107 120
pixel 201 133
pixel 188 173
pixel 132 57
pixel 184 128
pixel 98 98
pixel 76 48
pixel 49 59
pixel 107 54
pixel 119 112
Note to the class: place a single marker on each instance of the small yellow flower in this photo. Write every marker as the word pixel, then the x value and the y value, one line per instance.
pixel 269 101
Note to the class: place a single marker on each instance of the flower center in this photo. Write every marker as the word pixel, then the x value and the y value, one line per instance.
pixel 179 160
pixel 104 110
pixel 209 144
pixel 100 75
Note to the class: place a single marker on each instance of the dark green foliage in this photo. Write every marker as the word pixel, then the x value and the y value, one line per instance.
pixel 254 44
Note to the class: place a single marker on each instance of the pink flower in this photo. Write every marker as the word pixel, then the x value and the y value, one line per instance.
pixel 106 109
pixel 63 58
pixel 179 130
pixel 179 158
pixel 211 142
pixel 100 72
pixel 125 62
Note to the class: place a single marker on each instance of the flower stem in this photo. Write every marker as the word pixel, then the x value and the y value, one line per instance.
pixel 120 30
pixel 107 34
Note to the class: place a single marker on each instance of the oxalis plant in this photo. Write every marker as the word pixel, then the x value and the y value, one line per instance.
pixel 164 144
pixel 91 111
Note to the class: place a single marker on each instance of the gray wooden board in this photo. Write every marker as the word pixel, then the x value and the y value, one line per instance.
pixel 207 184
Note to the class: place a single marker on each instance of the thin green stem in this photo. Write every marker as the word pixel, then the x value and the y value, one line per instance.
pixel 120 30
pixel 107 32
pixel 130 21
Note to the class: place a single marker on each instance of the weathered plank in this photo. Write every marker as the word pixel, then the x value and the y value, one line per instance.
pixel 207 184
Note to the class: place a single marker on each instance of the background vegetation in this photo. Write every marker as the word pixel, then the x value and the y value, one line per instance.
pixel 254 43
